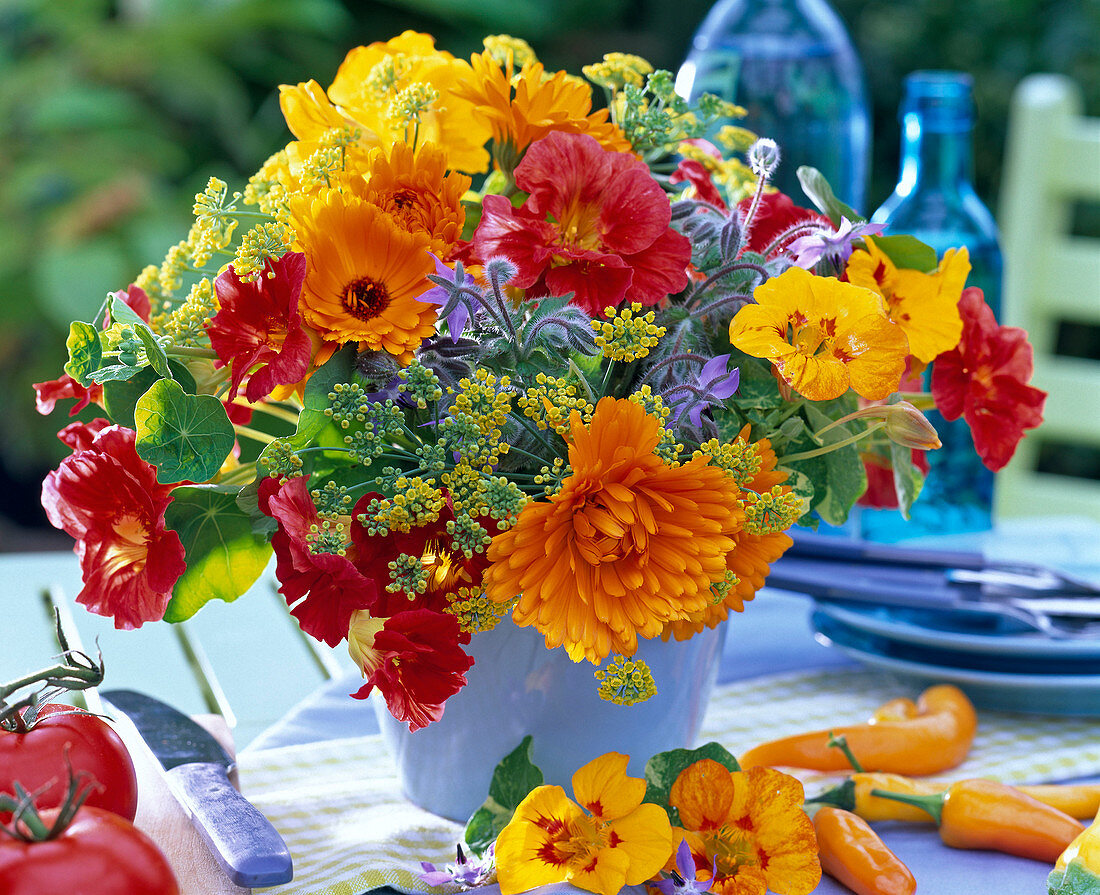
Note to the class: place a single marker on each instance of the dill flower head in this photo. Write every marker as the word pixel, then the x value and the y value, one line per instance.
pixel 628 544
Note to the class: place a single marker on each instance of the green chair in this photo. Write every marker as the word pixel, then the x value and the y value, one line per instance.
pixel 1052 280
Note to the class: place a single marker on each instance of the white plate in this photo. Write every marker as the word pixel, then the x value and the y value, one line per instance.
pixel 1049 694
pixel 942 630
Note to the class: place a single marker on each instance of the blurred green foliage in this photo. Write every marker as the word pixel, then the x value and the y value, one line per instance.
pixel 113 114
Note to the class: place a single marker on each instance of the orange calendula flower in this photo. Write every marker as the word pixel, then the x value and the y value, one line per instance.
pixel 823 336
pixel 627 545
pixel 924 305
pixel 609 841
pixel 374 82
pixel 750 826
pixel 752 466
pixel 414 188
pixel 522 107
pixel 365 273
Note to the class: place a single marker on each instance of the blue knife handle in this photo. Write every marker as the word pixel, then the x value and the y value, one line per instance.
pixel 244 842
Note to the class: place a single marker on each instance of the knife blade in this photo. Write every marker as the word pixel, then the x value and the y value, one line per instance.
pixel 243 841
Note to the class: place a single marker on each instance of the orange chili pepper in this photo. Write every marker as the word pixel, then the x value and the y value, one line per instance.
pixel 852 853
pixel 903 737
pixel 982 814
pixel 1079 800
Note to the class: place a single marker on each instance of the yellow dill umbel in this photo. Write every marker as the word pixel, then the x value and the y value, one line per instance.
pixel 626 681
pixel 627 335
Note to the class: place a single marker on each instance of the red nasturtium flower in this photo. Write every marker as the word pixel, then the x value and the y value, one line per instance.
pixel 316 574
pixel 694 172
pixel 47 394
pixel 595 224
pixel 108 498
pixel 258 324
pixel 413 658
pixel 984 380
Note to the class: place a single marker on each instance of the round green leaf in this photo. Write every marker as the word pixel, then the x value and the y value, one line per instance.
pixel 187 437
pixel 224 557
pixel 120 397
pixel 85 351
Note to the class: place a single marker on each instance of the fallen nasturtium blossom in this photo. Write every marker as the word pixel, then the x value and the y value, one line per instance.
pixel 747 828
pixel 610 840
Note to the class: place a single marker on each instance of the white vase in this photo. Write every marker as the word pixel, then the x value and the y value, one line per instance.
pixel 518 687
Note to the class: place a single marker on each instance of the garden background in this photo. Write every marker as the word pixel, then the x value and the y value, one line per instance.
pixel 114 114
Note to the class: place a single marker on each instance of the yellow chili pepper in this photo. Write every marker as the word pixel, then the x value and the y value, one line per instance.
pixel 1079 800
pixel 1077 870
pixel 902 737
pixel 852 853
pixel 982 814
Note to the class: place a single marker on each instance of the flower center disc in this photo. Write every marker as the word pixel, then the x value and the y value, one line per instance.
pixel 365 298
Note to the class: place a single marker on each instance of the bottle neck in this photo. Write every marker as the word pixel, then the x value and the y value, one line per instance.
pixel 934 159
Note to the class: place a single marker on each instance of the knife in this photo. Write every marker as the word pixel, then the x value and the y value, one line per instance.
pixel 960 566
pixel 243 841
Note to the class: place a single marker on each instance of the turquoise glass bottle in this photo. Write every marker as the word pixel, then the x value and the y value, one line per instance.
pixel 935 201
pixel 791 64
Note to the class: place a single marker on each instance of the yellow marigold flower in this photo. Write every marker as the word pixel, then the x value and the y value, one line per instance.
pixel 628 543
pixel 750 825
pixel 822 336
pixel 610 840
pixel 924 305
pixel 415 189
pixel 365 274
pixel 522 107
pixel 370 78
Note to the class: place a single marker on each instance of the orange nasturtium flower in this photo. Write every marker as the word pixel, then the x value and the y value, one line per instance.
pixel 925 305
pixel 610 840
pixel 749 826
pixel 822 336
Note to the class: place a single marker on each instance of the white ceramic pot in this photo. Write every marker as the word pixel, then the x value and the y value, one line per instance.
pixel 518 687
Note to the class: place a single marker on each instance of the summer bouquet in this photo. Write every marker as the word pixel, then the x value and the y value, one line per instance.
pixel 470 351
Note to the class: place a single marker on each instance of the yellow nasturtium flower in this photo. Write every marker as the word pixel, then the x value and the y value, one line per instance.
pixel 823 336
pixel 612 841
pixel 925 305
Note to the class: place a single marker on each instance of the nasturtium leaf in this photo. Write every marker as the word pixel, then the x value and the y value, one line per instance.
pixel 121 396
pixel 845 478
pixel 821 194
pixel 120 312
pixel 224 556
pixel 908 252
pixel 85 351
pixel 908 479
pixel 662 770
pixel 312 419
pixel 115 373
pixel 158 359
pixel 187 437
pixel 512 780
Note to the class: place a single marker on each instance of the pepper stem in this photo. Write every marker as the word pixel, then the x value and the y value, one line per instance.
pixel 842 796
pixel 841 743
pixel 931 804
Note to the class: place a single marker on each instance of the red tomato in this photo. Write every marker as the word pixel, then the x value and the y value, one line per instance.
pixel 99 853
pixel 36 759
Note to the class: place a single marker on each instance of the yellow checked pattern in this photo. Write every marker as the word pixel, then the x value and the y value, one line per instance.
pixel 338 805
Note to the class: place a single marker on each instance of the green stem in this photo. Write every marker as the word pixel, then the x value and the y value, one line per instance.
pixel 829 448
pixel 276 412
pixel 932 804
pixel 189 351
pixel 255 434
pixel 841 743
pixel 842 796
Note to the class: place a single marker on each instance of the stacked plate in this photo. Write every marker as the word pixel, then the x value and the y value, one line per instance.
pixel 1000 664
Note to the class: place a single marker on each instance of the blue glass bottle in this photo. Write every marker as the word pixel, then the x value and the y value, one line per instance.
pixel 935 201
pixel 792 66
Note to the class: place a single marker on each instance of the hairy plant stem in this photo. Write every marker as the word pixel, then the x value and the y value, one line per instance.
pixel 829 448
